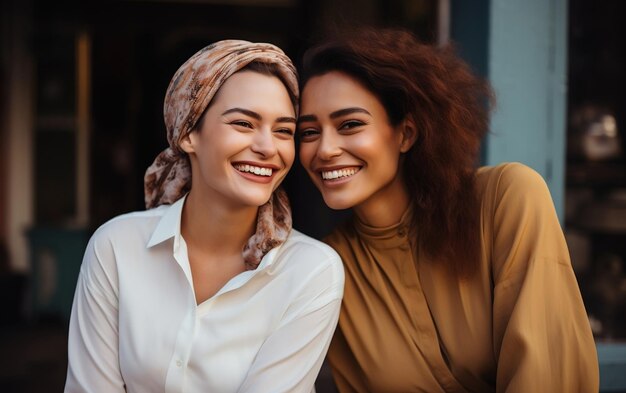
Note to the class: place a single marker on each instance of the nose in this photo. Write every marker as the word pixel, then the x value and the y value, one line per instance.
pixel 329 146
pixel 264 144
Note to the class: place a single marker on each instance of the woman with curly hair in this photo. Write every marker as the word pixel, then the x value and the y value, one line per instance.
pixel 457 278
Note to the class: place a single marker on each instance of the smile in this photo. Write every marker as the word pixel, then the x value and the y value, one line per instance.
pixel 339 173
pixel 257 170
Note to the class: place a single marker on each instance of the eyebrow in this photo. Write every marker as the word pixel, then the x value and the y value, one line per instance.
pixel 348 111
pixel 306 118
pixel 254 115
pixel 286 119
pixel 335 114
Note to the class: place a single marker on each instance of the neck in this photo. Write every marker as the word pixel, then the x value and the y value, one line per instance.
pixel 386 206
pixel 216 228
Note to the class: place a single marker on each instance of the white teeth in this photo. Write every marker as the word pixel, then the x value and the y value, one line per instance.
pixel 257 170
pixel 331 175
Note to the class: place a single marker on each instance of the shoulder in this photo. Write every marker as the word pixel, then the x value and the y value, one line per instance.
pixel 310 263
pixel 342 236
pixel 512 183
pixel 519 215
pixel 509 175
pixel 125 232
pixel 310 250
pixel 124 237
pixel 129 224
pixel 309 274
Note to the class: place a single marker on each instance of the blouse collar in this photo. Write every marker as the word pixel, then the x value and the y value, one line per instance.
pixel 169 227
pixel 169 224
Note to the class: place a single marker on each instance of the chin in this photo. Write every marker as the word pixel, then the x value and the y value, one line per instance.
pixel 340 203
pixel 258 202
pixel 251 195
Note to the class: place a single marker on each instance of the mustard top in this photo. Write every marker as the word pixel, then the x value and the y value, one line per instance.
pixel 518 325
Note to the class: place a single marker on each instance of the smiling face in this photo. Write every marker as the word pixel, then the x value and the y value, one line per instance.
pixel 348 146
pixel 243 146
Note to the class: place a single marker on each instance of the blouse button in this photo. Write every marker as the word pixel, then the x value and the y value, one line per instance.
pixel 179 363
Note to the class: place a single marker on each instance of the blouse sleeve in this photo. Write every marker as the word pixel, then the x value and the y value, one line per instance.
pixel 291 357
pixel 93 363
pixel 542 338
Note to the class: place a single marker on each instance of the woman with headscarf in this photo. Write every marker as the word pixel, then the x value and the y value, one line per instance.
pixel 210 289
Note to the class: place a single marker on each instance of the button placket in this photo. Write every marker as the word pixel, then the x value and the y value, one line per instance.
pixel 174 381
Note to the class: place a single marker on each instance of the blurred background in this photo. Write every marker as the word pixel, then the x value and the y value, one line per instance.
pixel 81 95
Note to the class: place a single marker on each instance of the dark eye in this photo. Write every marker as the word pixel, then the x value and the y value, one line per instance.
pixel 349 124
pixel 285 131
pixel 309 131
pixel 308 134
pixel 241 123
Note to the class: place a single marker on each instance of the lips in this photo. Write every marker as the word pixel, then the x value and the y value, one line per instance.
pixel 339 173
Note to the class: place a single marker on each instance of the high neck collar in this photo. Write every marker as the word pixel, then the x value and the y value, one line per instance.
pixel 391 236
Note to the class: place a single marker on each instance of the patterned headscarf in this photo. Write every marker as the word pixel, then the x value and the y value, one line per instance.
pixel 189 94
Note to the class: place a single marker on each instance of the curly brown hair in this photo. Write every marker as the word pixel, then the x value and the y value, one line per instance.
pixel 450 107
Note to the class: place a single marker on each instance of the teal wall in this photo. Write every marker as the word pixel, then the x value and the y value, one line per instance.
pixel 521 47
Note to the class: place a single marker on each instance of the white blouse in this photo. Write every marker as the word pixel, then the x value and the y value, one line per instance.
pixel 136 327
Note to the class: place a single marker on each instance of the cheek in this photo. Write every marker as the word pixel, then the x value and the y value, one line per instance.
pixel 382 156
pixel 306 153
pixel 381 144
pixel 368 146
pixel 287 152
pixel 388 162
pixel 390 166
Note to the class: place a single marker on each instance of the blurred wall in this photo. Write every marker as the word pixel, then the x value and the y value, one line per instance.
pixel 521 47
pixel 17 124
pixel 81 114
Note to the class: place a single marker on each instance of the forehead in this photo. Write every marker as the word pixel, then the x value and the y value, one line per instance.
pixel 252 89
pixel 336 88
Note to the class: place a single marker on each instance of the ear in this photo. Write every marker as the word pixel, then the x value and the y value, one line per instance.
pixel 188 142
pixel 408 132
